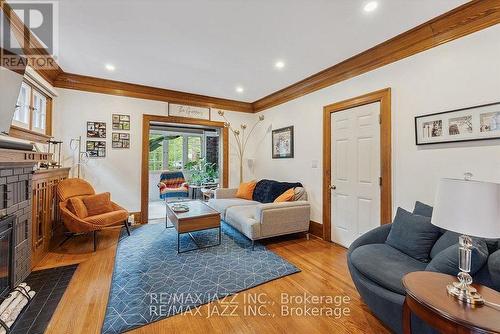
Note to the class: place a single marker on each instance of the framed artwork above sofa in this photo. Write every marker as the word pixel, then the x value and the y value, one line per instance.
pixel 282 143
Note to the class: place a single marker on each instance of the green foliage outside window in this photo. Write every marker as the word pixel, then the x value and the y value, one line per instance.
pixel 175 153
pixel 156 152
pixel 194 148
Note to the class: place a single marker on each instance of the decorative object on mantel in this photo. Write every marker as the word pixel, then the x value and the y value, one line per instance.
pixel 96 149
pixel 282 143
pixel 55 147
pixel 120 140
pixel 179 110
pixel 96 129
pixel 469 208
pixel 466 124
pixel 121 122
pixel 14 305
pixel 74 144
pixel 241 139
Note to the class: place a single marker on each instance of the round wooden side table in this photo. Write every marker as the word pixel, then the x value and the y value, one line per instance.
pixel 427 297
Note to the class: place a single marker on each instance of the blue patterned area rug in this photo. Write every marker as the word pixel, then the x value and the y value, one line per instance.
pixel 152 282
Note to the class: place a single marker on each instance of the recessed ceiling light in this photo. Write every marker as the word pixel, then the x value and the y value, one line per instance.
pixel 371 6
pixel 110 67
pixel 279 64
pixel 239 89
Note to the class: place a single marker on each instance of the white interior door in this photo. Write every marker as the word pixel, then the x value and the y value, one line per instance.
pixel 355 172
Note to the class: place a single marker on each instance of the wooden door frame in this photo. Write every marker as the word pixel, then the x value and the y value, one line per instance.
pixel 146 121
pixel 384 97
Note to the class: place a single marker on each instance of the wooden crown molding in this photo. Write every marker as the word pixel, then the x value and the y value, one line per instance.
pixel 461 21
pixel 37 55
pixel 98 85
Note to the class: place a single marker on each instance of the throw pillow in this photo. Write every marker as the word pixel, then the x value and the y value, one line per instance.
pixel 446 240
pixel 287 196
pixel 422 209
pixel 413 235
pixel 300 194
pixel 76 206
pixel 98 204
pixel 494 268
pixel 245 190
pixel 446 261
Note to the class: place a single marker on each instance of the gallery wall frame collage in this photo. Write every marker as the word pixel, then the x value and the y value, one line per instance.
pixel 96 135
pixel 467 124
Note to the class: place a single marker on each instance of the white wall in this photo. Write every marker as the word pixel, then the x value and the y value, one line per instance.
pixel 463 73
pixel 120 172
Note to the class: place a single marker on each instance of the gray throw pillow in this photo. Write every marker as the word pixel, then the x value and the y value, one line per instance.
pixel 413 235
pixel 494 268
pixel 446 240
pixel 446 261
pixel 422 209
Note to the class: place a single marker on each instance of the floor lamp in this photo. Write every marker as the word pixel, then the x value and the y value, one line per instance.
pixel 241 139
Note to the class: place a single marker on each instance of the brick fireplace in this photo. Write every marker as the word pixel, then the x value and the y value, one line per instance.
pixel 16 202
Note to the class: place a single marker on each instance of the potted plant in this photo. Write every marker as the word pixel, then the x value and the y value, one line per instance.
pixel 200 172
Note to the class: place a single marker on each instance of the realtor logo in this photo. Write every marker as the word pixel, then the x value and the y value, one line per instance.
pixel 38 37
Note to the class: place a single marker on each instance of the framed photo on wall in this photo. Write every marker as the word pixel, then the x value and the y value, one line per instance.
pixel 282 142
pixel 121 122
pixel 120 140
pixel 96 149
pixel 96 129
pixel 466 124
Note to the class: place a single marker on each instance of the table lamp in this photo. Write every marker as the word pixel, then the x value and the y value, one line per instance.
pixel 470 208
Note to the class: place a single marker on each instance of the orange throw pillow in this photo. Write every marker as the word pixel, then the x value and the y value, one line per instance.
pixel 286 196
pixel 245 190
pixel 98 204
pixel 76 206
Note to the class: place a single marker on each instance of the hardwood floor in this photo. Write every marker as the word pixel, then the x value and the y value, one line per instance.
pixel 324 273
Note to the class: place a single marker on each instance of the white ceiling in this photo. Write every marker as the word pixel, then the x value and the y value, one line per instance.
pixel 210 47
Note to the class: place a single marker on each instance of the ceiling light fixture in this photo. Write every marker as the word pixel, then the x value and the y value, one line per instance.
pixel 110 67
pixel 239 89
pixel 279 64
pixel 371 6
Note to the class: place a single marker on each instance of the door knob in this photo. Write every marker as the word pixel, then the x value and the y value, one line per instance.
pixel 333 187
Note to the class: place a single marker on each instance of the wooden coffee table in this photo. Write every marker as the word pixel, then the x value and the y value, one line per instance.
pixel 199 217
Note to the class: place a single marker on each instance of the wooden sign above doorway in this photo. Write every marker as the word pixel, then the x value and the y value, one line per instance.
pixel 179 110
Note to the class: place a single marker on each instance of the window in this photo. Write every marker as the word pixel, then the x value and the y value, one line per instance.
pixel 31 110
pixel 39 112
pixel 172 150
pixel 194 148
pixel 22 114
pixel 155 152
pixel 175 153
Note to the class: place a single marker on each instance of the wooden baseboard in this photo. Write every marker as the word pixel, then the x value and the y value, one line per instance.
pixel 316 229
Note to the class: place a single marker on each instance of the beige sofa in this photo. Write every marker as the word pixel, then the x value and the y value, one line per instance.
pixel 257 220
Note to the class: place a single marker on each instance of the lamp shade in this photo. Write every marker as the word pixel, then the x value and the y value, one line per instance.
pixel 468 207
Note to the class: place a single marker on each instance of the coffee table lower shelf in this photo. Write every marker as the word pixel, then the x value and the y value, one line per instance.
pixel 196 243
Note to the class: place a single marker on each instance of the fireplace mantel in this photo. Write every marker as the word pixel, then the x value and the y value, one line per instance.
pixel 16 156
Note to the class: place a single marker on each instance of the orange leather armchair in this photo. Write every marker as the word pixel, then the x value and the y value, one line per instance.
pixel 82 224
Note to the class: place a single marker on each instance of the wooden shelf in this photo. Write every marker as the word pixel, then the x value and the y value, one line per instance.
pixel 26 134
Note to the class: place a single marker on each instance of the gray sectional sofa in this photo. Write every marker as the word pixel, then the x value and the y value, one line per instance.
pixel 377 269
pixel 260 217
